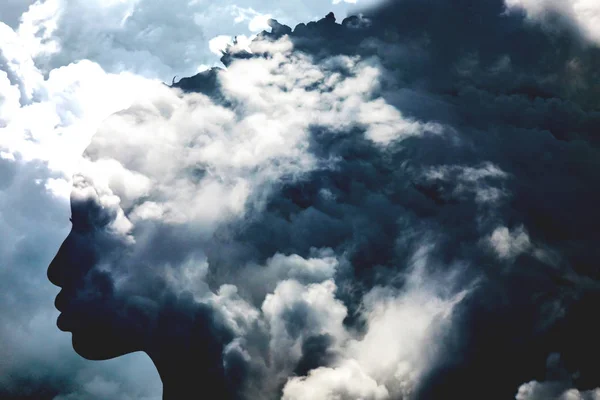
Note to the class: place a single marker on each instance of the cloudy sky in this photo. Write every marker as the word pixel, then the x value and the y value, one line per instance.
pixel 399 205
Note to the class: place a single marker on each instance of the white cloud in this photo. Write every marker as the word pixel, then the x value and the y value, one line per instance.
pixel 399 345
pixel 509 244
pixel 258 280
pixel 157 39
pixel 239 314
pixel 295 312
pixel 218 44
pixel 553 391
pixel 482 181
pixel 347 381
pixel 53 118
pixel 387 124
pixel 558 388
pixel 584 14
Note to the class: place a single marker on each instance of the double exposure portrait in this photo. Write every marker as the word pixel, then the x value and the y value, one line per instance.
pixel 347 200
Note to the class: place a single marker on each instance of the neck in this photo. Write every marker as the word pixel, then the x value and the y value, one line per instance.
pixel 186 347
pixel 182 385
pixel 191 375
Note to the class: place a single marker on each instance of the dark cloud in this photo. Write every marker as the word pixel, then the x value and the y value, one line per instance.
pixel 520 101
pixel 315 354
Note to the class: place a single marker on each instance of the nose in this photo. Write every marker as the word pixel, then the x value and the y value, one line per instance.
pixel 78 253
pixel 59 263
pixel 73 260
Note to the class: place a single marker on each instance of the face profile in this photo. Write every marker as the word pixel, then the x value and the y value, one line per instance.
pixel 87 295
pixel 341 223
pixel 109 317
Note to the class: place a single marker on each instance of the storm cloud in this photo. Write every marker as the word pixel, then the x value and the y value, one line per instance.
pixel 398 205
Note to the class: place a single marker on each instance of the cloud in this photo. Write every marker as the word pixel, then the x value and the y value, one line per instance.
pixel 584 15
pixel 347 381
pixel 295 312
pixel 509 244
pixel 553 391
pixel 396 349
pixel 326 217
pixel 154 39
pixel 556 387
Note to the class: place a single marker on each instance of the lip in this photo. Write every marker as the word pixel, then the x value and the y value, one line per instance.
pixel 62 299
pixel 59 301
pixel 62 322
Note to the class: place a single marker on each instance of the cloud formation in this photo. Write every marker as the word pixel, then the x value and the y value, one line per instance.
pixel 581 15
pixel 557 385
pixel 156 39
pixel 363 209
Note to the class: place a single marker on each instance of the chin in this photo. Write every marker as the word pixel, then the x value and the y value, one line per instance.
pixel 91 347
pixel 97 341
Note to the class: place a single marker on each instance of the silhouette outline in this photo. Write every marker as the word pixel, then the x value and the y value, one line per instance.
pixel 193 363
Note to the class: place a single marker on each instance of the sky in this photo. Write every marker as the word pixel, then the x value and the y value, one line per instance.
pixel 399 206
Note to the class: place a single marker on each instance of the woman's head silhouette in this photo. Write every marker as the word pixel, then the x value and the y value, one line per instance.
pixel 289 233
